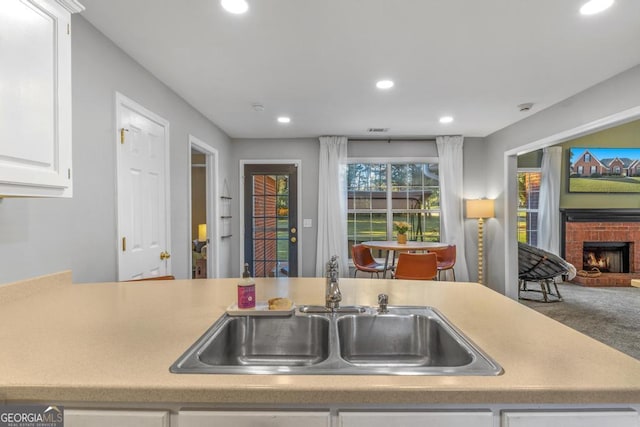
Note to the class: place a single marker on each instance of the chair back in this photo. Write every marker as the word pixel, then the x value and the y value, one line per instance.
pixel 417 266
pixel 446 256
pixel 361 256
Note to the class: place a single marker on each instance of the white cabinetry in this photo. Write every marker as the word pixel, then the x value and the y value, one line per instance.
pixel 35 97
pixel 417 419
pixel 110 418
pixel 254 419
pixel 623 418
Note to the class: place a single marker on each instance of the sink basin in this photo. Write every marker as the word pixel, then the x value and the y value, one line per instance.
pixel 251 344
pixel 400 340
pixel 405 341
pixel 268 341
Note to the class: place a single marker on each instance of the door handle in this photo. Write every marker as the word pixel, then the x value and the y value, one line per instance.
pixel 165 255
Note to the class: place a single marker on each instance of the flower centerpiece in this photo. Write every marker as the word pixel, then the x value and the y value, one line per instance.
pixel 401 228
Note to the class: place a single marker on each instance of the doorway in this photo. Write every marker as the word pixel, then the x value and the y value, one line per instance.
pixel 142 159
pixel 203 210
pixel 511 189
pixel 271 241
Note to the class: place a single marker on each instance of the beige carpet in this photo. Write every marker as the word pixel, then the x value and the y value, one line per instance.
pixel 610 315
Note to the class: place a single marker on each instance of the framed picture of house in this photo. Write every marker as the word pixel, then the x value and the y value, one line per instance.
pixel 604 170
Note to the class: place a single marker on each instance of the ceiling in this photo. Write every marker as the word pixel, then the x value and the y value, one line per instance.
pixel 317 61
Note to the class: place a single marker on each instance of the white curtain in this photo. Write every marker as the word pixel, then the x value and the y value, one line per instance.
pixel 549 204
pixel 332 204
pixel 451 212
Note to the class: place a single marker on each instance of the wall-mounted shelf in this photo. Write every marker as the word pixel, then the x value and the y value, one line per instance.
pixel 225 212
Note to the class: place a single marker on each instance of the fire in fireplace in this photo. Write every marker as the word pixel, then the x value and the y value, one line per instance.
pixel 608 257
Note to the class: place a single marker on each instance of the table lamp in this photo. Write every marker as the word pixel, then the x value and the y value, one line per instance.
pixel 480 209
pixel 202 232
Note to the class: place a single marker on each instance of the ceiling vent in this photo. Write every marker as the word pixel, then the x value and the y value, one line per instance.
pixel 526 106
pixel 378 130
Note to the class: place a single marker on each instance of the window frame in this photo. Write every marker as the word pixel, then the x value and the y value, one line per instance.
pixel 528 210
pixel 389 211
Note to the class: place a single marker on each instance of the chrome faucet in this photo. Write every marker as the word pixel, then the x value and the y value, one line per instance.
pixel 383 302
pixel 333 295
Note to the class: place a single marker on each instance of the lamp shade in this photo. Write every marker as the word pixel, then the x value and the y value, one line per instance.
pixel 482 208
pixel 202 232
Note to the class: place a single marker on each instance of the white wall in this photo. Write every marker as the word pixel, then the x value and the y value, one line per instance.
pixel 40 236
pixel 618 94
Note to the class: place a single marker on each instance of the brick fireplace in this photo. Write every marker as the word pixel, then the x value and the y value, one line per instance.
pixel 606 238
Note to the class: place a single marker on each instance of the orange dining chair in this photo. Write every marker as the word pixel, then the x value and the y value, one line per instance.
pixel 417 266
pixel 446 260
pixel 364 261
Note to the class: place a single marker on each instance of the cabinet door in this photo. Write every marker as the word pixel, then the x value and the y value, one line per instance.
pixel 625 418
pixel 35 99
pixel 110 418
pixel 253 419
pixel 417 419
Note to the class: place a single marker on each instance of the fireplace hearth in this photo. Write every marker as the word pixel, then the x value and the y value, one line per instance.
pixel 606 239
pixel 607 257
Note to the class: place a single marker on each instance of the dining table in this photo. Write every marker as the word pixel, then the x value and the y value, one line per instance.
pixel 393 246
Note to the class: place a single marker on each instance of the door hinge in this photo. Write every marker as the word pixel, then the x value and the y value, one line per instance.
pixel 69 173
pixel 122 131
pixel 124 244
pixel 68 28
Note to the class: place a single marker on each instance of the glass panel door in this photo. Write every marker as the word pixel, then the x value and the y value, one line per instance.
pixel 271 235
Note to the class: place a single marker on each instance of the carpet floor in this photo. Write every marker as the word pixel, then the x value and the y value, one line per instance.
pixel 609 315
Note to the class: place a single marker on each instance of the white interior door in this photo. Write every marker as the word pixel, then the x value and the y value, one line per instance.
pixel 143 219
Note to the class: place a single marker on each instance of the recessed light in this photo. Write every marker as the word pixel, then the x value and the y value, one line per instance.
pixel 446 119
pixel 235 6
pixel 384 84
pixel 284 119
pixel 595 6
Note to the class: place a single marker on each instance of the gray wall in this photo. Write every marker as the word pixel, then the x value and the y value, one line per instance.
pixel 304 149
pixel 612 96
pixel 40 236
pixel 307 149
pixel 474 187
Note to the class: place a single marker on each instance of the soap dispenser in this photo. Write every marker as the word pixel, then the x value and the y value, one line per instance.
pixel 246 290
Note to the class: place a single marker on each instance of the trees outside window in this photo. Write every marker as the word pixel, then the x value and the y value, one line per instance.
pixel 381 193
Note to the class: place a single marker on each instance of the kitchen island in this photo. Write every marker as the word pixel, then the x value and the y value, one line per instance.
pixel 110 345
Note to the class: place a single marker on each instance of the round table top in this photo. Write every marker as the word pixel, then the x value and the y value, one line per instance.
pixel 393 245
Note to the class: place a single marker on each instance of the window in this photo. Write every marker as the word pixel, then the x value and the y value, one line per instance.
pixel 587 157
pixel 580 170
pixel 381 193
pixel 593 170
pixel 528 198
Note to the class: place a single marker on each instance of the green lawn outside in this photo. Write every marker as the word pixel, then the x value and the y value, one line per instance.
pixel 606 184
pixel 522 226
pixel 375 228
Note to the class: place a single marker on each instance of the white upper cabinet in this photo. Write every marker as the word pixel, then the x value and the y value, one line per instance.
pixel 35 97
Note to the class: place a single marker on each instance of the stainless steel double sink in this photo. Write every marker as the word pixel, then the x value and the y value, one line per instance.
pixel 404 341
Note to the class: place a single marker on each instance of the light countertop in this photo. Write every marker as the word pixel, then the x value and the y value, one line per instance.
pixel 114 342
